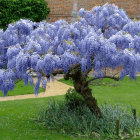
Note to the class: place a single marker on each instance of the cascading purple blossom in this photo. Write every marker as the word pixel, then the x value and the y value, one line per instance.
pixel 132 28
pixel 37 85
pixel 44 84
pixel 109 18
pixel 7 81
pixel 103 37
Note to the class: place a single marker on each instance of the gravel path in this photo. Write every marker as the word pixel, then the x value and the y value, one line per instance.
pixel 53 89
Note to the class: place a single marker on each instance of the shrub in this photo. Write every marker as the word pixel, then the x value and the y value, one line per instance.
pixel 73 99
pixel 83 123
pixel 13 10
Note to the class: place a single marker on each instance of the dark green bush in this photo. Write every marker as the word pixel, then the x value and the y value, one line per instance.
pixel 13 10
pixel 73 99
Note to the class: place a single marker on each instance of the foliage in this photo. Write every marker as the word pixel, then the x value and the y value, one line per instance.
pixel 28 46
pixel 73 99
pixel 81 121
pixel 13 10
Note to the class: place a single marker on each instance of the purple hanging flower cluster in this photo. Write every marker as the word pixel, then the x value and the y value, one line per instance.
pixel 100 38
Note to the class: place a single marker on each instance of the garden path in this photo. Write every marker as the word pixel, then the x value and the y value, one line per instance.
pixel 53 89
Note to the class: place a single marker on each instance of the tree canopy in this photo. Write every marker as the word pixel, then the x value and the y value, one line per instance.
pixel 102 37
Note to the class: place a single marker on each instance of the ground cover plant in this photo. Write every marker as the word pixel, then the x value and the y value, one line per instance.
pixel 73 117
pixel 21 89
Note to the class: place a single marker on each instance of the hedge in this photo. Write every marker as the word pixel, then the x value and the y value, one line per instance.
pixel 13 10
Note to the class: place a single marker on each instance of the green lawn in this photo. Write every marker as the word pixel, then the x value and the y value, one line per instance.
pixel 126 92
pixel 17 121
pixel 17 117
pixel 21 89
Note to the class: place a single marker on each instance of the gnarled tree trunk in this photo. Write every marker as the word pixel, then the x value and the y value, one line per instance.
pixel 81 86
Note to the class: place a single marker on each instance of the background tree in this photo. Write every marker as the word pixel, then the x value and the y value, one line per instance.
pixel 13 10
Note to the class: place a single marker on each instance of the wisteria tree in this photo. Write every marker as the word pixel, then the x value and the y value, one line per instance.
pixel 104 37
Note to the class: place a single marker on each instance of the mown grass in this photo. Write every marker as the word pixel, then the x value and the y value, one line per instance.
pixel 21 89
pixel 17 117
pixel 124 92
pixel 17 121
